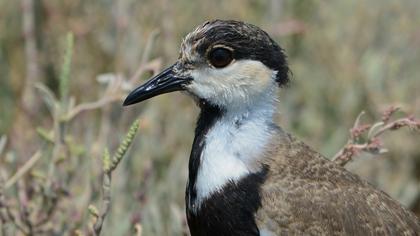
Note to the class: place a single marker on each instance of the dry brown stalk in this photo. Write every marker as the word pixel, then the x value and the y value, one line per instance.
pixel 23 170
pixel 109 165
pixel 373 144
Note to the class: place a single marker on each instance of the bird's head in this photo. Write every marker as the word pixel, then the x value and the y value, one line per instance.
pixel 224 63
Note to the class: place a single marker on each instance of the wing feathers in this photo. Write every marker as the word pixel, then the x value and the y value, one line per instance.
pixel 307 194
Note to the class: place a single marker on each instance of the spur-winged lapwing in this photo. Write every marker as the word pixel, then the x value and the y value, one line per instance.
pixel 246 175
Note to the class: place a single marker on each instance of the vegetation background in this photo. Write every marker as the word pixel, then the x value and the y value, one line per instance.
pixel 57 116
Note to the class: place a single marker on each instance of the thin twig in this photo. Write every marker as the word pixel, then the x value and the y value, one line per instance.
pixel 92 105
pixel 23 200
pixel 31 54
pixel 106 202
pixel 7 215
pixel 145 57
pixel 374 131
pixel 109 166
pixel 153 66
pixel 149 46
pixel 49 210
pixel 3 141
pixel 358 119
pixel 398 124
pixel 23 170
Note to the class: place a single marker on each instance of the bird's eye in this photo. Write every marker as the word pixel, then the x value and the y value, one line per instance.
pixel 220 57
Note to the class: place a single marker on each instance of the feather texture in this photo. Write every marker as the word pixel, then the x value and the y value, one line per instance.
pixel 306 194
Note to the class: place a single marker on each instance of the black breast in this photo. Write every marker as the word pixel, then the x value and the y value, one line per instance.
pixel 230 211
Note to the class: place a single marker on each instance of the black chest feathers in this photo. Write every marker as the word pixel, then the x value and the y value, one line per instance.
pixel 230 211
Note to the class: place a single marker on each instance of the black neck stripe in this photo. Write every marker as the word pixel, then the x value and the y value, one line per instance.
pixel 207 118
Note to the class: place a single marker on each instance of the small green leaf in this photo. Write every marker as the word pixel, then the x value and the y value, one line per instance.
pixel 93 211
pixel 45 134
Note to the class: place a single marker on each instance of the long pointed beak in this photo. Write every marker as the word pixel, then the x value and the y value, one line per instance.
pixel 165 82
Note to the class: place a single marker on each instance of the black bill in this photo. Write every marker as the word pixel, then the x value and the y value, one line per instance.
pixel 165 82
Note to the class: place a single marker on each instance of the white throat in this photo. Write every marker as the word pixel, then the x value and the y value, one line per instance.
pixel 235 145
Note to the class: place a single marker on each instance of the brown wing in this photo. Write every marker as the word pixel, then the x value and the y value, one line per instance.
pixel 306 194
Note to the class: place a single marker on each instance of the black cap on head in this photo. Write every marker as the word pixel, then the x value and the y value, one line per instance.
pixel 247 41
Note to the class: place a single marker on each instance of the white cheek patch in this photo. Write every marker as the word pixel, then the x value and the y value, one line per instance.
pixel 236 83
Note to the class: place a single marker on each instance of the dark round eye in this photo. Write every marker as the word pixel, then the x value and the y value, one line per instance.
pixel 220 57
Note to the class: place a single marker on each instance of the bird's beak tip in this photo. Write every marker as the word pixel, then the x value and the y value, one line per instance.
pixel 132 98
pixel 127 102
pixel 164 82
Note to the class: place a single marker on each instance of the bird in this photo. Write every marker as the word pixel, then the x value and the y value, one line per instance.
pixel 247 175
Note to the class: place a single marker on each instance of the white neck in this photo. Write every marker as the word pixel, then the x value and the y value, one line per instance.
pixel 234 146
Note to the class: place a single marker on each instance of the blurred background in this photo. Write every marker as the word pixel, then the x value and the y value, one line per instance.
pixel 57 117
